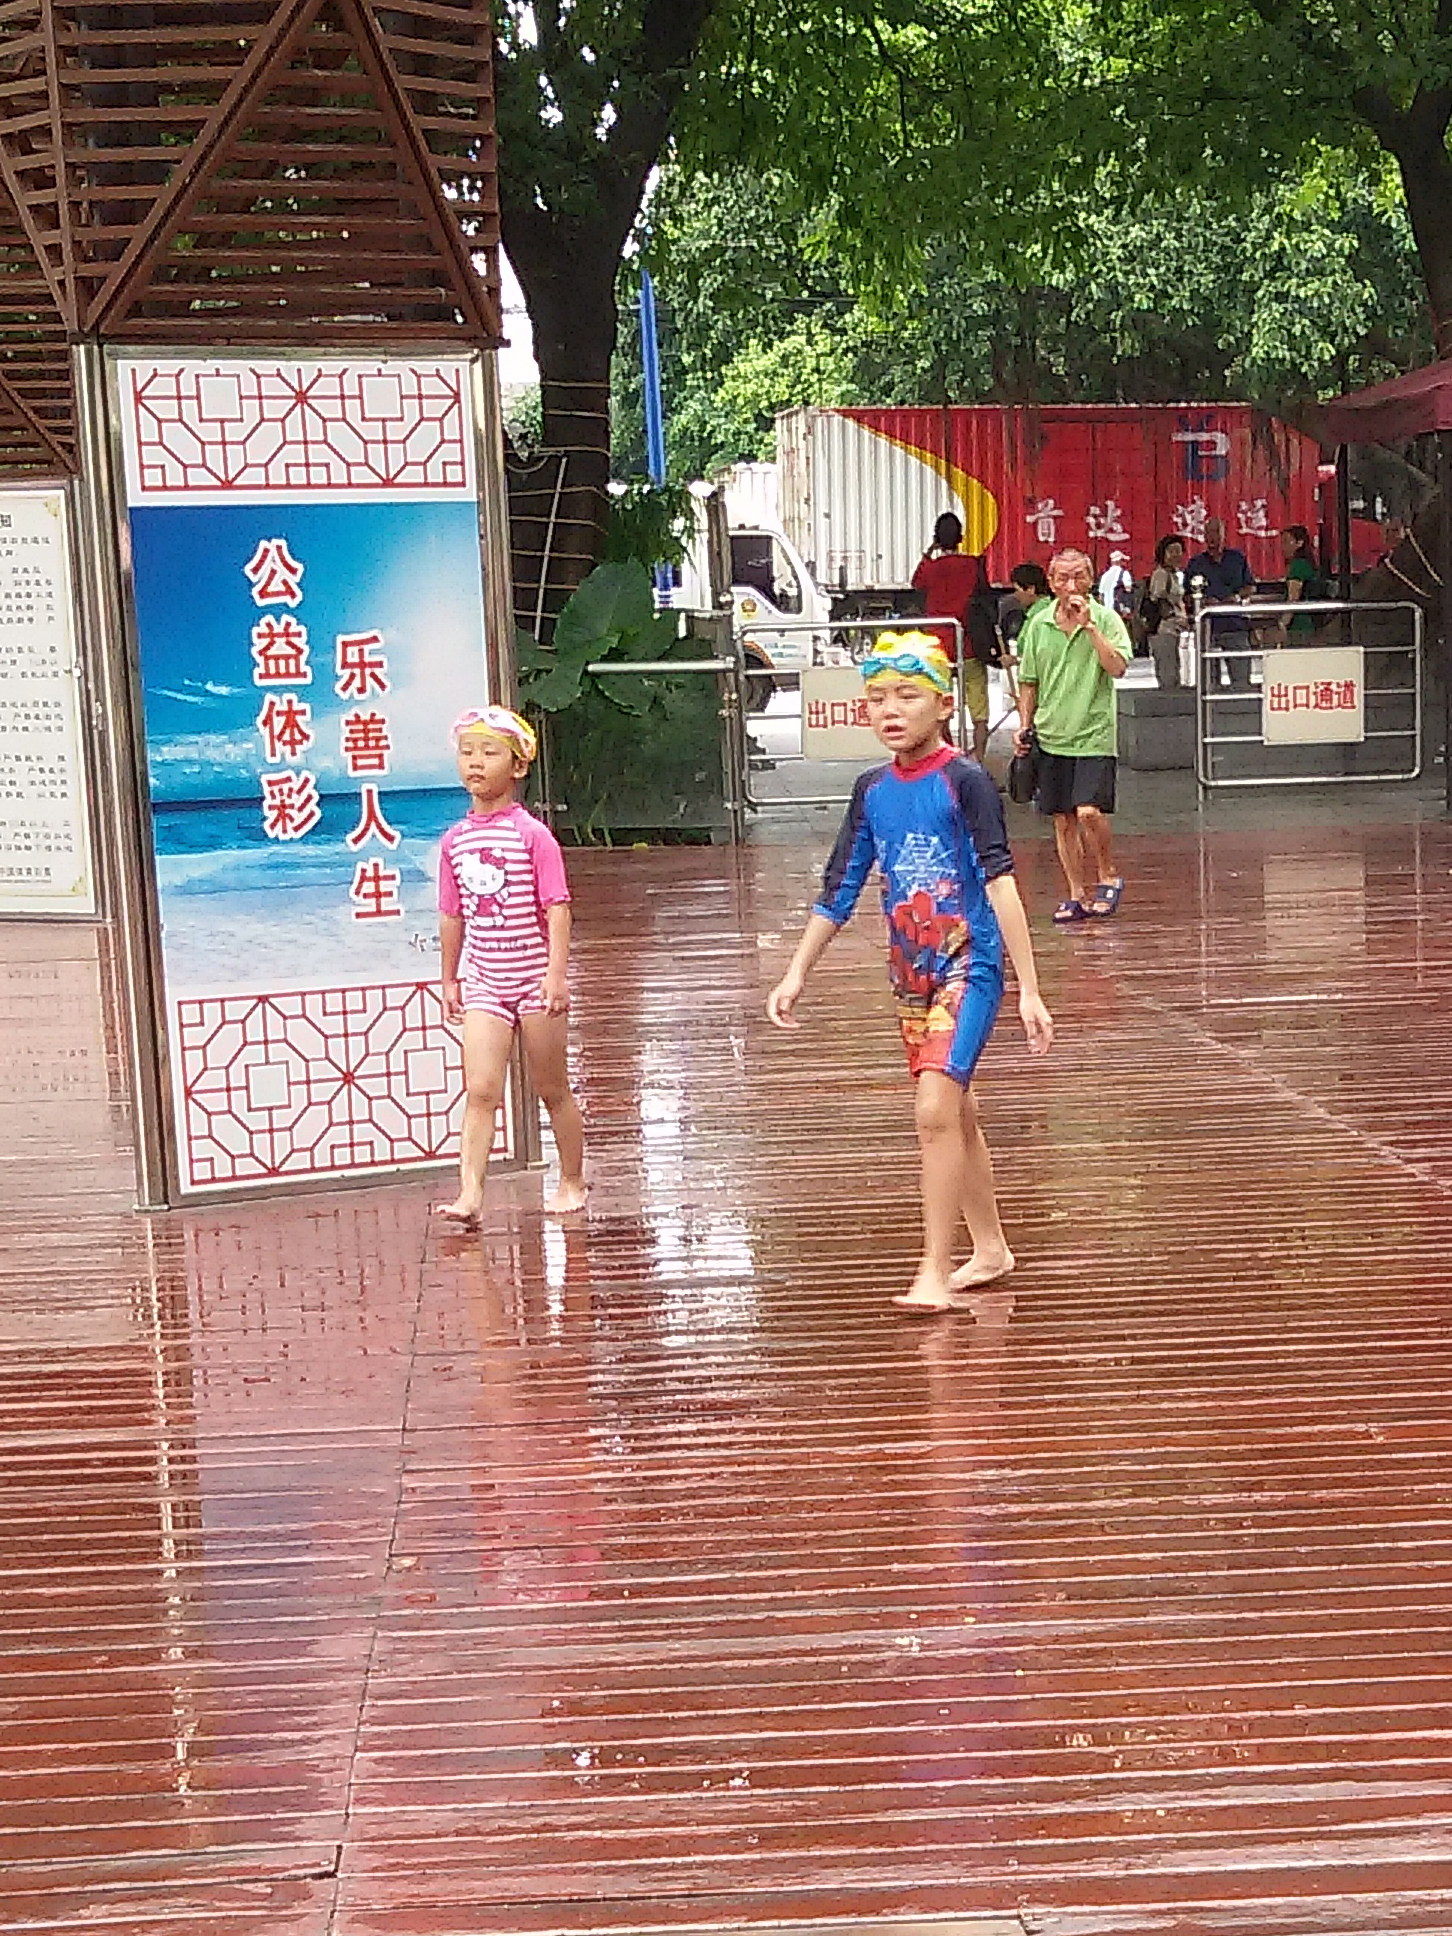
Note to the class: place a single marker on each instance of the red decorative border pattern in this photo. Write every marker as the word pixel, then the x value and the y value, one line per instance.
pixel 318 1082
pixel 297 429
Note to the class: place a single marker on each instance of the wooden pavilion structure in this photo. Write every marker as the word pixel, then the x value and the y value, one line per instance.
pixel 239 173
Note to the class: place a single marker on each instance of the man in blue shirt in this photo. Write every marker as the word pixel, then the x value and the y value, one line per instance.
pixel 1224 575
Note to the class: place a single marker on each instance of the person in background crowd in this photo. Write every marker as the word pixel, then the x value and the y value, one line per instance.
pixel 1030 590
pixel 954 584
pixel 1303 577
pixel 1164 609
pixel 1072 651
pixel 1117 583
pixel 1225 577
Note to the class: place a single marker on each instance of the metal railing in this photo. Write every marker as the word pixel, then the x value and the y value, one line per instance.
pixel 867 629
pixel 731 712
pixel 1342 621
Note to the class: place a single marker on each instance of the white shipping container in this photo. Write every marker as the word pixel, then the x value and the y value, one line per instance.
pixel 861 488
pixel 860 511
pixel 751 497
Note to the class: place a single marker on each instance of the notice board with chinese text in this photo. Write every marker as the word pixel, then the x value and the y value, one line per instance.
pixel 45 849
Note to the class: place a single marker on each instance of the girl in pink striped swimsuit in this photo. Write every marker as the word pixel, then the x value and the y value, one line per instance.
pixel 504 932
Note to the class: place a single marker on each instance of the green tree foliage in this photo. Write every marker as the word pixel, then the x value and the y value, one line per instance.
pixel 1202 88
pixel 1301 289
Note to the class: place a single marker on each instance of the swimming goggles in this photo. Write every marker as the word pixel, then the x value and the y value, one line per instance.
pixel 501 722
pixel 908 655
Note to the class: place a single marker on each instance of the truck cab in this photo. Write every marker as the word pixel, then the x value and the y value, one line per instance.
pixel 770 582
pixel 770 587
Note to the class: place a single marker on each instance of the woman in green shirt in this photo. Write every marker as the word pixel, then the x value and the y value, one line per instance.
pixel 1303 577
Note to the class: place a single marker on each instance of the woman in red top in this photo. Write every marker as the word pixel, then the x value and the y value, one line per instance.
pixel 953 583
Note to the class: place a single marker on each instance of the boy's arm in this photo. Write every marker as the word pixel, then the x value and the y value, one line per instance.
pixel 843 879
pixel 810 949
pixel 555 989
pixel 451 947
pixel 1038 1024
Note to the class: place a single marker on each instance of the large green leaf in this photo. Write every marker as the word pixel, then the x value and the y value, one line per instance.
pixel 628 694
pixel 614 600
pixel 655 640
pixel 556 688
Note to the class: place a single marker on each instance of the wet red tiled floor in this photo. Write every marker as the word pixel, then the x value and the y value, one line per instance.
pixel 360 1578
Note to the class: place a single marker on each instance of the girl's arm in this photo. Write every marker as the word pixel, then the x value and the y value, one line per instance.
pixel 451 947
pixel 555 989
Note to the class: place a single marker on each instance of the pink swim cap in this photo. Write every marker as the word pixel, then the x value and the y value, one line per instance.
pixel 504 724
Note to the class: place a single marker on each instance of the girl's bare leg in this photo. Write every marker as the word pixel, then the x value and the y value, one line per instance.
pixel 545 1038
pixel 487 1042
pixel 991 1257
pixel 939 1115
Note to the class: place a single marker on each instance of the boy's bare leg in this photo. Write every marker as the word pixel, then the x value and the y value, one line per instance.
pixel 991 1257
pixel 487 1042
pixel 1071 853
pixel 1098 844
pixel 545 1039
pixel 938 1108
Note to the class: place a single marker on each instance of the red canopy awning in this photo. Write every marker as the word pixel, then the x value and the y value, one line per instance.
pixel 1392 412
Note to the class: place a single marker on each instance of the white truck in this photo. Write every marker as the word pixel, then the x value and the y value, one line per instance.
pixel 768 578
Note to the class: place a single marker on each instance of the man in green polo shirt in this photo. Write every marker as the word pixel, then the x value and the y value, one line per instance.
pixel 1070 652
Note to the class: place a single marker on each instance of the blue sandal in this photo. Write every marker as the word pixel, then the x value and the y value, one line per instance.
pixel 1068 911
pixel 1110 892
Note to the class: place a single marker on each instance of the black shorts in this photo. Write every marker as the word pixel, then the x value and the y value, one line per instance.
pixel 1066 782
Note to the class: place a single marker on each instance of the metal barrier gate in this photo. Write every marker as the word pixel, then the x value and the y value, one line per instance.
pixel 732 712
pixel 1316 704
pixel 863 629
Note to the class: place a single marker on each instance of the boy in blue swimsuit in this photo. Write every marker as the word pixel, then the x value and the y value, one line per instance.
pixel 932 822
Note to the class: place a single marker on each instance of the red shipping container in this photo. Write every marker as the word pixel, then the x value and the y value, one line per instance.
pixel 861 488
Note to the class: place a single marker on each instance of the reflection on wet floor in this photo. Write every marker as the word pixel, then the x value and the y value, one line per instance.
pixel 357 1576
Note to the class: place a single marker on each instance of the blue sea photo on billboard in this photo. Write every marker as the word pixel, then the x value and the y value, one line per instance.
pixel 301 665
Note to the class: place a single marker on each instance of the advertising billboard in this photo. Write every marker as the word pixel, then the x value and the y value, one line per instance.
pixel 308 601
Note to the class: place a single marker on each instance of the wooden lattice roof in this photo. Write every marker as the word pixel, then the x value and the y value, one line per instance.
pixel 244 172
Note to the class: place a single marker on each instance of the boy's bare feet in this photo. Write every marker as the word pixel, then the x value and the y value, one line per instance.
pixel 983 1267
pixel 460 1212
pixel 568 1197
pixel 931 1292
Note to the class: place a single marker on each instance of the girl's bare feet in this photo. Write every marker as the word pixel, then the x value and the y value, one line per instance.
pixel 931 1292
pixel 570 1195
pixel 983 1267
pixel 460 1212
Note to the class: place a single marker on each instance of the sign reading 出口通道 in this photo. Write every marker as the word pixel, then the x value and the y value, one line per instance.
pixel 834 716
pixel 1313 696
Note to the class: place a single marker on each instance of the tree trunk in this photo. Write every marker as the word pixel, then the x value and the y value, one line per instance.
pixel 567 273
pixel 1426 173
pixel 570 188
pixel 1417 137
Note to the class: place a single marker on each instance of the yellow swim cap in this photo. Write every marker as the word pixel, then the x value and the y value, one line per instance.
pixel 909 655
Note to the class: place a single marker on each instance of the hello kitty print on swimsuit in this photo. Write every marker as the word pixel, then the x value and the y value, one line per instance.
pixel 502 872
